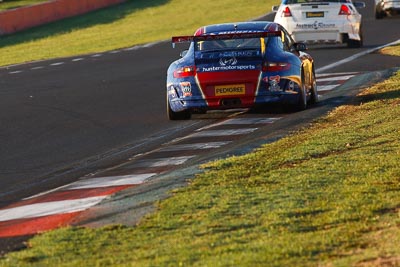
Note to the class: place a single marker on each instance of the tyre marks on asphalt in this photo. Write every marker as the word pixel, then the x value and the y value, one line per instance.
pixel 325 81
pixel 195 146
pixel 61 206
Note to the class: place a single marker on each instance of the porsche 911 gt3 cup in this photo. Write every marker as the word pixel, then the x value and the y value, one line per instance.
pixel 321 21
pixel 239 65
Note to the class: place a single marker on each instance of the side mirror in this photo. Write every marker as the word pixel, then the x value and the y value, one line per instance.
pixel 183 53
pixel 275 8
pixel 299 46
pixel 359 4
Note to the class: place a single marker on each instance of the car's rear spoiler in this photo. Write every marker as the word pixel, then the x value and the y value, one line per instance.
pixel 224 36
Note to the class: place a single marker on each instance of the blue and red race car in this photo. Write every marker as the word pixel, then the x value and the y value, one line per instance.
pixel 239 65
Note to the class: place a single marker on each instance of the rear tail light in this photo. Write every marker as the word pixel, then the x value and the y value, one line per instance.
pixel 344 10
pixel 275 66
pixel 286 12
pixel 185 72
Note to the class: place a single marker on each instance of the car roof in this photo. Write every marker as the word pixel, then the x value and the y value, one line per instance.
pixel 256 26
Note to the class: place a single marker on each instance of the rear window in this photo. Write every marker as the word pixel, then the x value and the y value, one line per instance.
pixel 215 45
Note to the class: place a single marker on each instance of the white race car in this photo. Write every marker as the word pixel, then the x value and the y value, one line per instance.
pixel 321 21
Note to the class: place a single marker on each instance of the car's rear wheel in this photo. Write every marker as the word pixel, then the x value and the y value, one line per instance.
pixel 378 15
pixel 314 91
pixel 302 101
pixel 356 43
pixel 182 115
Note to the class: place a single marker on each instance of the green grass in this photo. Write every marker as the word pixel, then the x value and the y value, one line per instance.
pixel 328 195
pixel 125 25
pixel 10 4
pixel 393 50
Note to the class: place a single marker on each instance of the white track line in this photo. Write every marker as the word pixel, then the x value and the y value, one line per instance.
pixel 162 162
pixel 98 182
pixel 49 208
pixel 195 146
pixel 336 78
pixel 322 88
pixel 353 57
pixel 334 74
pixel 15 72
pixel 57 64
pixel 215 133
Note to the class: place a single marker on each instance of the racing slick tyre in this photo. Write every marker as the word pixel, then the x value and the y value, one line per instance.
pixel 355 43
pixel 302 102
pixel 314 91
pixel 183 115
pixel 379 14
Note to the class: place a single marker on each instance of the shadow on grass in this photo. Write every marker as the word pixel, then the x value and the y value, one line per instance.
pixel 391 95
pixel 357 100
pixel 102 16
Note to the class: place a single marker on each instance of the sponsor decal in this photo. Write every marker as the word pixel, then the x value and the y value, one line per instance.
pixel 272 78
pixel 276 78
pixel 274 83
pixel 315 14
pixel 186 89
pixel 171 91
pixel 316 25
pixel 240 32
pixel 232 89
pixel 228 61
pixel 239 54
pixel 236 54
pixel 225 68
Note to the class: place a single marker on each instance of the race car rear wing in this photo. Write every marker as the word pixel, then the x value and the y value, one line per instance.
pixel 224 36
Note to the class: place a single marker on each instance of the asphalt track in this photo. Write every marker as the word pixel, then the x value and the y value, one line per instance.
pixel 67 118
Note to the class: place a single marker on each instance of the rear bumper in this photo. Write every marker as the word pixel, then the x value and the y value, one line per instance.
pixel 198 104
pixel 318 37
pixel 329 37
pixel 325 32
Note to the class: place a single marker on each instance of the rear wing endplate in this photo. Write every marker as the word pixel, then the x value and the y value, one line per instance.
pixel 224 36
